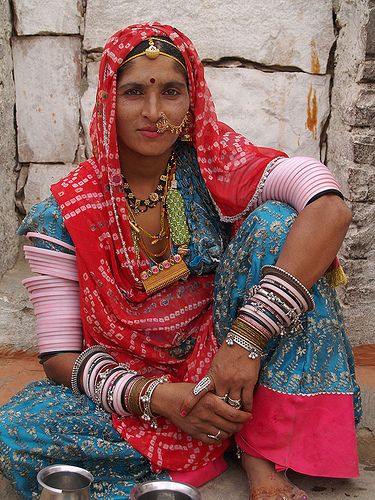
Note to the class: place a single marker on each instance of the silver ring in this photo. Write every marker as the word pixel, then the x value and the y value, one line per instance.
pixel 202 385
pixel 235 403
pixel 223 398
pixel 215 436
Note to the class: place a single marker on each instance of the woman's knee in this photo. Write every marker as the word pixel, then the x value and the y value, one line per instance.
pixel 273 218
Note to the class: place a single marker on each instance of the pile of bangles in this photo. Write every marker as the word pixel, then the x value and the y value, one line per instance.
pixel 274 308
pixel 113 386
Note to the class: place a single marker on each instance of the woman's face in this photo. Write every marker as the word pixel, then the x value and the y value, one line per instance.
pixel 145 89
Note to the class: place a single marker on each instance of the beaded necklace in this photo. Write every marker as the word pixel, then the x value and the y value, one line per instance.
pixel 160 275
pixel 140 206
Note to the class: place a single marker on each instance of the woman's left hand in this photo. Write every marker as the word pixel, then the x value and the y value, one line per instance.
pixel 232 373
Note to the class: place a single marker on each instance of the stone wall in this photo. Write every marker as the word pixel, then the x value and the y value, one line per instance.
pixel 269 66
pixel 8 219
pixel 351 155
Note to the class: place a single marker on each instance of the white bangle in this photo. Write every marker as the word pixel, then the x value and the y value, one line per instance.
pixel 147 415
pixel 74 382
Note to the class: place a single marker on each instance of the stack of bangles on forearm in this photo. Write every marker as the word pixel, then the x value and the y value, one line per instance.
pixel 275 307
pixel 113 386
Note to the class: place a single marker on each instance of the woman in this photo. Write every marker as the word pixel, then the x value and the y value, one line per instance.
pixel 197 320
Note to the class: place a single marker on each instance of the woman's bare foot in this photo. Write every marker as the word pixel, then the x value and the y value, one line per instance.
pixel 266 483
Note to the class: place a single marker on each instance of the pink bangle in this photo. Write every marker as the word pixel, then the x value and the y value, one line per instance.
pixel 244 317
pixel 274 327
pixel 297 294
pixel 288 297
pixel 85 378
pixel 118 405
pixel 96 370
pixel 271 305
pixel 296 181
pixel 50 239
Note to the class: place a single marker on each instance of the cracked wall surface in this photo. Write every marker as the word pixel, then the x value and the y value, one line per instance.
pixel 296 76
pixel 351 155
pixel 8 219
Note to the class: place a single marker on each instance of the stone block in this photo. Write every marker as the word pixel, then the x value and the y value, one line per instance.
pixel 366 72
pixel 8 219
pixel 281 110
pixel 88 101
pixel 364 111
pixel 364 148
pixel 363 214
pixel 17 322
pixel 33 17
pixel 370 31
pixel 297 34
pixel 358 243
pixel 39 180
pixel 362 183
pixel 360 290
pixel 47 77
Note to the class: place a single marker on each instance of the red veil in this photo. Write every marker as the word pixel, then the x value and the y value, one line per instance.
pixel 115 312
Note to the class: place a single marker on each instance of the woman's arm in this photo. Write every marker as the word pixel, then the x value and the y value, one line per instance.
pixel 59 368
pixel 315 238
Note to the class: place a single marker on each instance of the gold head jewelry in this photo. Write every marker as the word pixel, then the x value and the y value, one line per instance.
pixel 152 51
pixel 164 125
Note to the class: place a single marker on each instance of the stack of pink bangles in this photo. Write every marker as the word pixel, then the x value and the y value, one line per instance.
pixel 55 297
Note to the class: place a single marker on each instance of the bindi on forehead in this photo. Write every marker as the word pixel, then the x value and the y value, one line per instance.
pixel 152 80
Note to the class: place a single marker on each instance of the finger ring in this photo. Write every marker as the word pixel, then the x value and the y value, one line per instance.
pixel 215 436
pixel 223 398
pixel 235 403
pixel 202 385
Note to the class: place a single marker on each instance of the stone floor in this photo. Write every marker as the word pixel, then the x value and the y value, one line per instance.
pixel 19 369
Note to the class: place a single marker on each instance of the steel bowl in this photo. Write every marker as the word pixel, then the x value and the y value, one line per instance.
pixel 164 490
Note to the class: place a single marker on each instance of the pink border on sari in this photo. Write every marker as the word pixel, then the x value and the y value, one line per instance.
pixel 313 435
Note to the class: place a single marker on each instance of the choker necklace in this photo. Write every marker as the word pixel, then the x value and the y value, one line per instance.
pixel 140 206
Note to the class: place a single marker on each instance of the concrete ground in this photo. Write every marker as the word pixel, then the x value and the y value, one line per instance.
pixel 20 369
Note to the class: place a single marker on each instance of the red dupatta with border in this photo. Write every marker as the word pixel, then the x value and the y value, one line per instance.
pixel 115 311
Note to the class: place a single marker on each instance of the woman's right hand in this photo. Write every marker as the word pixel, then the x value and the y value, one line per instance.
pixel 210 414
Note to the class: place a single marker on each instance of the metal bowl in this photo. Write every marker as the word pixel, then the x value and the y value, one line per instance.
pixel 164 490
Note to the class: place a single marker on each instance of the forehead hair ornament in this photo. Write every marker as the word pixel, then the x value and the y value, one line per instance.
pixel 153 50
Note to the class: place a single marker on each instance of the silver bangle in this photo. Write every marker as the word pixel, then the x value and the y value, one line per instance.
pixel 234 338
pixel 147 415
pixel 74 383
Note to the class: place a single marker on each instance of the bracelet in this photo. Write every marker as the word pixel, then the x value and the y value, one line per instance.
pixel 244 329
pixel 95 368
pixel 92 370
pixel 133 398
pixel 99 385
pixel 74 379
pixel 278 271
pixel 118 375
pixel 233 338
pixel 147 415
pixel 253 334
pixel 280 284
pixel 121 397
